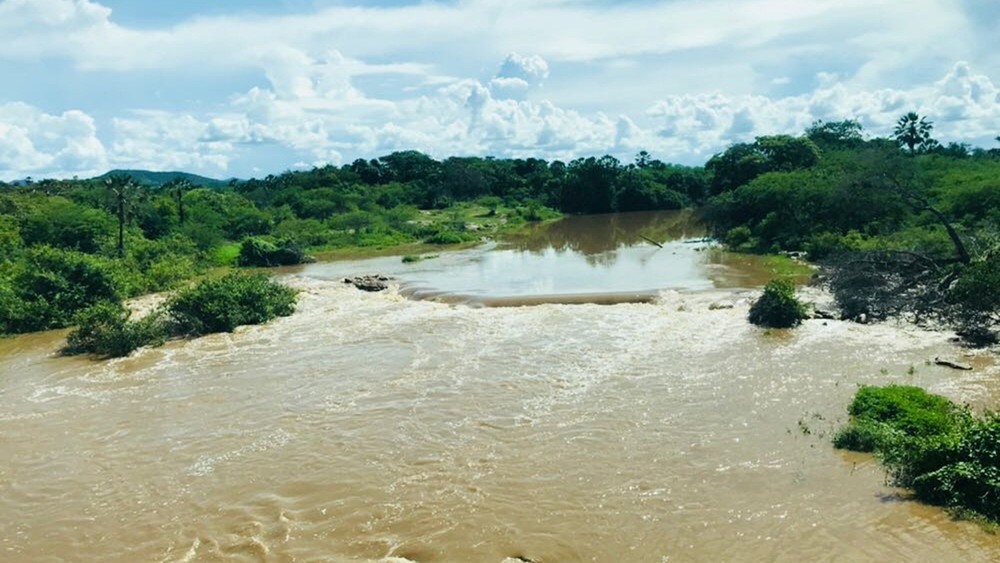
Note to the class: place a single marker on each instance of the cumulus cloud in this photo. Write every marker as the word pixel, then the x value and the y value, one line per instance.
pixel 680 78
pixel 161 140
pixel 964 106
pixel 33 142
pixel 519 74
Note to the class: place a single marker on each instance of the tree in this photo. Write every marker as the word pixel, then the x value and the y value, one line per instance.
pixel 847 134
pixel 914 132
pixel 177 189
pixel 743 162
pixel 590 185
pixel 124 190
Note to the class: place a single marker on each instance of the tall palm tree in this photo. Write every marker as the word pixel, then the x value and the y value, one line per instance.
pixel 913 131
pixel 177 188
pixel 124 189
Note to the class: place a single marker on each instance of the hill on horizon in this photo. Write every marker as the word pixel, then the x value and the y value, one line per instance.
pixel 157 179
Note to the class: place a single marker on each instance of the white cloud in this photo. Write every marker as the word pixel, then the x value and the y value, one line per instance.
pixel 163 141
pixel 33 142
pixel 680 78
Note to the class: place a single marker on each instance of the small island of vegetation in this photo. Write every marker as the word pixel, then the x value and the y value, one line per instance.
pixel 940 450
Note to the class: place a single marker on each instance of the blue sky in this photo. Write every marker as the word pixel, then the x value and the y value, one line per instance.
pixel 252 87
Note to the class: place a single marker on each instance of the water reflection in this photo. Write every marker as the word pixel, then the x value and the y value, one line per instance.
pixel 601 234
pixel 622 257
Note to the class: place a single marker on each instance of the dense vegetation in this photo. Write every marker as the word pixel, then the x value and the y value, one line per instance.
pixel 777 307
pixel 67 245
pixel 215 305
pixel 941 451
pixel 221 305
pixel 908 226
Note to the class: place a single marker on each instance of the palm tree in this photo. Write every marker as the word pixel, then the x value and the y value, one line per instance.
pixel 177 188
pixel 124 189
pixel 913 132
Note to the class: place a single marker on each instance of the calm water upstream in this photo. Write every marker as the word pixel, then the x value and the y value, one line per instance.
pixel 373 427
pixel 597 258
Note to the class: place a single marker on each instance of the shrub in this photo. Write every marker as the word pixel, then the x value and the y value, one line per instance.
pixel 778 306
pixel 862 436
pixel 51 286
pixel 11 308
pixel 446 237
pixel 967 472
pixel 223 304
pixel 739 237
pixel 107 330
pixel 929 444
pixel 260 252
pixel 169 271
pixel 911 410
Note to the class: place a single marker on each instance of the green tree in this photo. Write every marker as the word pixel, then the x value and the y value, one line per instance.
pixel 847 134
pixel 743 162
pixel 913 131
pixel 125 191
pixel 177 188
pixel 590 185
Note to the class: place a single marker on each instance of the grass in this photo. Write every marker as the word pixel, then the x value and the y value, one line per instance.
pixel 781 266
pixel 470 222
pixel 226 255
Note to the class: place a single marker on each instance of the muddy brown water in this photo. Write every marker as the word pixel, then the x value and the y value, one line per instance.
pixel 373 427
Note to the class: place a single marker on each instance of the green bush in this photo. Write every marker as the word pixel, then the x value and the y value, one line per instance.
pixel 778 306
pixel 929 444
pixel 967 471
pixel 11 308
pixel 107 330
pixel 908 409
pixel 51 286
pixel 10 237
pixel 261 252
pixel 223 304
pixel 739 238
pixel 863 436
pixel 446 237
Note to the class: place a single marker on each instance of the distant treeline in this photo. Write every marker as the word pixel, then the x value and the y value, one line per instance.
pixel 66 244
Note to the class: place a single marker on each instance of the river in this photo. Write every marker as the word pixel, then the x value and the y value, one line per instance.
pixel 378 427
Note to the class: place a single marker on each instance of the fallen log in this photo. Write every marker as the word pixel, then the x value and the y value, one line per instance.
pixel 951 364
pixel 652 241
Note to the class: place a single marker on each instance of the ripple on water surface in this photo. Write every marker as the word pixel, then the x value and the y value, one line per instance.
pixel 370 427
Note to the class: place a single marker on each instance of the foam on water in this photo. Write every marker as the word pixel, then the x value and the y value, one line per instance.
pixel 368 427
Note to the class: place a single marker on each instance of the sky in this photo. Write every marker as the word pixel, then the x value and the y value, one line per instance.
pixel 241 88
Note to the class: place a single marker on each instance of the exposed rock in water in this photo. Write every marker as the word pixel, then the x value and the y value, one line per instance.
pixel 720 305
pixel 369 283
pixel 953 365
pixel 823 314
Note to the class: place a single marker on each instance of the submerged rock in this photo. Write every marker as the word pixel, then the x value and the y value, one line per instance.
pixel 720 305
pixel 371 283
